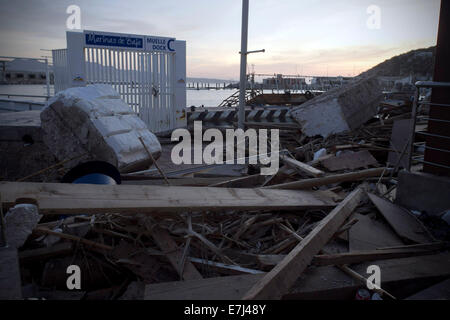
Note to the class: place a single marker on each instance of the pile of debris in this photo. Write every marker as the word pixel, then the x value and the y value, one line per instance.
pixel 317 229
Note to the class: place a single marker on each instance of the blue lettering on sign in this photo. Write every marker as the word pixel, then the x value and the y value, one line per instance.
pixel 114 41
pixel 159 44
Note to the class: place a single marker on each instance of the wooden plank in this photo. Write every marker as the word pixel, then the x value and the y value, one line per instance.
pixel 370 234
pixel 278 281
pixel 219 288
pixel 351 257
pixel 224 268
pixel 325 282
pixel 404 223
pixel 57 198
pixel 242 182
pixel 174 254
pixel 352 161
pixel 70 237
pixel 43 253
pixel 303 167
pixel 316 182
pixel 195 182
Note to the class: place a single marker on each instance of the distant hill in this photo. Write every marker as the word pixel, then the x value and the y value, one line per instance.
pixel 419 63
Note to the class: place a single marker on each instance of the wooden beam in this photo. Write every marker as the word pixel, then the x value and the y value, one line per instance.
pixel 224 268
pixel 278 281
pixel 352 257
pixel 61 198
pixel 327 282
pixel 303 167
pixel 70 237
pixel 316 182
pixel 241 182
pixel 174 254
pixel 44 253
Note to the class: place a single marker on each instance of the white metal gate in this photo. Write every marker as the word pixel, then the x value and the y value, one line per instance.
pixel 60 74
pixel 150 75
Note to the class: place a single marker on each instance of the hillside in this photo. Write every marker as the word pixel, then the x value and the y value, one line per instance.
pixel 418 62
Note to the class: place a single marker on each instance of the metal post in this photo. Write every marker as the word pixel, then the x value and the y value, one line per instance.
pixel 243 75
pixel 413 127
pixel 47 78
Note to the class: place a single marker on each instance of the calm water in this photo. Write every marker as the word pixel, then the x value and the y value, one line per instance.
pixel 208 98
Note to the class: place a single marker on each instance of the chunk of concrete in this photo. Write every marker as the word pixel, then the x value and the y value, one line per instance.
pixel 96 121
pixel 340 109
pixel 20 221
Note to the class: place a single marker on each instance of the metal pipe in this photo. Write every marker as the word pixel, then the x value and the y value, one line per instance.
pixel 243 74
pixel 413 126
pixel 47 78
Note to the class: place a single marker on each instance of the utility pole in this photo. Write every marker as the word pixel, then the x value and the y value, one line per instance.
pixel 243 75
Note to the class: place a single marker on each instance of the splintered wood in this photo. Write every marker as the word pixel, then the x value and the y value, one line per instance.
pixel 214 232
pixel 282 277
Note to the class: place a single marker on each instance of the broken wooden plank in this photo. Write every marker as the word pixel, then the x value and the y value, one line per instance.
pixel 70 237
pixel 224 268
pixel 404 223
pixel 174 254
pixel 352 161
pixel 316 182
pixel 325 282
pixel 303 167
pixel 363 281
pixel 351 257
pixel 57 198
pixel 44 253
pixel 278 281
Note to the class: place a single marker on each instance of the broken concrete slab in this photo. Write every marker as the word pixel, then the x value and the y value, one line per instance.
pixel 341 109
pixel 350 160
pixel 19 224
pixel 405 224
pixel 95 120
pixel 400 143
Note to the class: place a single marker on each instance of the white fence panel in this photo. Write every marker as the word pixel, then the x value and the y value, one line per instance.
pixel 150 77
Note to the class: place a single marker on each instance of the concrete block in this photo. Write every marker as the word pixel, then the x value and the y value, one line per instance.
pixel 22 149
pixel 340 109
pixel 423 192
pixel 95 120
pixel 19 223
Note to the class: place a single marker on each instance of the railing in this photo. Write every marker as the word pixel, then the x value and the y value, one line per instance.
pixel 9 95
pixel 415 111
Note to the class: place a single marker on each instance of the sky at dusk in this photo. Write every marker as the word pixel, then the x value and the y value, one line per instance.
pixel 308 37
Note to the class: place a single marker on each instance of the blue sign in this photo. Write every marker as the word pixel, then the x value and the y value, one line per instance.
pixel 114 41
